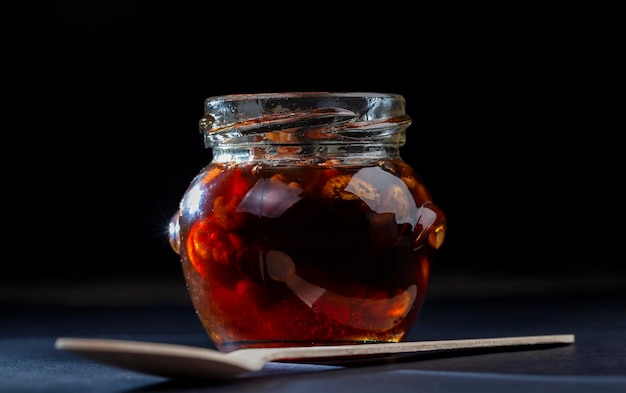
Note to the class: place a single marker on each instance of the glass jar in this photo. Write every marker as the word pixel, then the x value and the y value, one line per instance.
pixel 307 227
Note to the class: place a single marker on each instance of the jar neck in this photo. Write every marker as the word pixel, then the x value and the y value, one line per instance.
pixel 316 127
pixel 310 154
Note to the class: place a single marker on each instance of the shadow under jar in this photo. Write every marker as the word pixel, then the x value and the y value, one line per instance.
pixel 306 227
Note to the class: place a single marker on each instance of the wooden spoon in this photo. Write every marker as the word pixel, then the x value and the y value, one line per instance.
pixel 182 361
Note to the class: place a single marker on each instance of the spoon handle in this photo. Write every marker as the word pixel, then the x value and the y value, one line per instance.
pixel 337 351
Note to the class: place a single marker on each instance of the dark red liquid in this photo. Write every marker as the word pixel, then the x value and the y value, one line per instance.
pixel 307 255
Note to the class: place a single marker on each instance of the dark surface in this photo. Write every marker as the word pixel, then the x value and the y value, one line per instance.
pixel 596 362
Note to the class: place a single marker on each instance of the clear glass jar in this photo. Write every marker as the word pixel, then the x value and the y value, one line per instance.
pixel 307 227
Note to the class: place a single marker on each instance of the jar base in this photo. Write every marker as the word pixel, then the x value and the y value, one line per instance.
pixel 232 346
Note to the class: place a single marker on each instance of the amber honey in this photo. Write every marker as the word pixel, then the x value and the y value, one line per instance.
pixel 306 255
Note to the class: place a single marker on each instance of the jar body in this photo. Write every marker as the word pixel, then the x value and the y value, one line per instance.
pixel 306 248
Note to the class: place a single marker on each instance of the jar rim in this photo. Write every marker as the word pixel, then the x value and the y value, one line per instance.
pixel 301 94
pixel 329 116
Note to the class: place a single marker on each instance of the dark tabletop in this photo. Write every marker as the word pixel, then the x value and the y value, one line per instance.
pixel 596 362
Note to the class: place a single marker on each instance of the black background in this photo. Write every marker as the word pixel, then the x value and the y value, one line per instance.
pixel 513 105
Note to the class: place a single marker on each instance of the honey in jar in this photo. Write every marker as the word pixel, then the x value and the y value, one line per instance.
pixel 306 227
